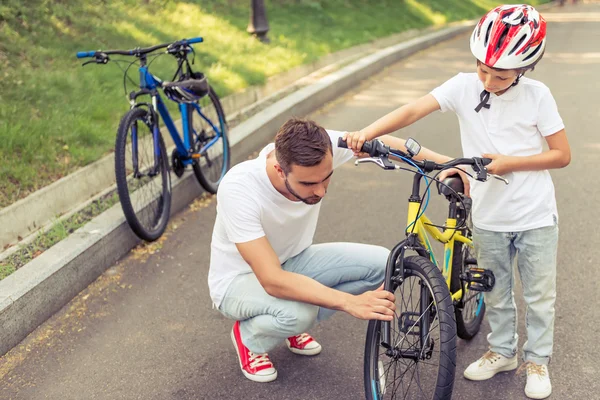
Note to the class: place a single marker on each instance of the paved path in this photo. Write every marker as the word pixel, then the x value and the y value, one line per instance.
pixel 146 330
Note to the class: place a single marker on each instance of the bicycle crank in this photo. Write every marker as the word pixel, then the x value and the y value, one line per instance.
pixel 178 166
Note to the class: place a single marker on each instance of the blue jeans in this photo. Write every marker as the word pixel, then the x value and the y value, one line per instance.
pixel 265 321
pixel 536 262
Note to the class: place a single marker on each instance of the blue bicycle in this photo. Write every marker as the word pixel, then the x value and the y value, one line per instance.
pixel 141 160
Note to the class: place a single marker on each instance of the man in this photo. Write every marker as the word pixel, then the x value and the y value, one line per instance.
pixel 265 273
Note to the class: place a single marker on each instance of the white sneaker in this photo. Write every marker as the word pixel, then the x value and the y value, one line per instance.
pixel 489 365
pixel 538 381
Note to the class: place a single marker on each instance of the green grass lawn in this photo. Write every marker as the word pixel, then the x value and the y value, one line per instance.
pixel 56 116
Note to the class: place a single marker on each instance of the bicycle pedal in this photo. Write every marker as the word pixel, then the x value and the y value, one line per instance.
pixel 196 156
pixel 478 279
pixel 408 323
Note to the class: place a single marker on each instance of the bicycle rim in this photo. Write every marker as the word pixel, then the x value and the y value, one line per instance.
pixel 143 180
pixel 423 337
pixel 209 128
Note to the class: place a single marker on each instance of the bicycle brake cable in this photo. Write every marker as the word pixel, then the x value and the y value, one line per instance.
pixel 125 76
pixel 419 213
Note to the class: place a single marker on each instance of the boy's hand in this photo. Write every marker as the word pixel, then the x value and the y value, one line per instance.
pixel 355 141
pixel 453 171
pixel 500 164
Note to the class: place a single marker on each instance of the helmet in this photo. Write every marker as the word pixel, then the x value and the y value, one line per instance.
pixel 187 90
pixel 510 37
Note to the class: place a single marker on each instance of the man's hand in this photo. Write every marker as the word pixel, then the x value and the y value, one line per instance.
pixel 374 304
pixel 355 141
pixel 500 164
pixel 453 171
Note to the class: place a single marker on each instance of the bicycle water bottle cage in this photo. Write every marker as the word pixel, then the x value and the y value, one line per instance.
pixel 187 90
pixel 479 279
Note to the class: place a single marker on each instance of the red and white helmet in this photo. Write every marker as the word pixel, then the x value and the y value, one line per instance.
pixel 509 37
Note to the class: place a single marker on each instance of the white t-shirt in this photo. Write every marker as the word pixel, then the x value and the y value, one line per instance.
pixel 248 208
pixel 515 125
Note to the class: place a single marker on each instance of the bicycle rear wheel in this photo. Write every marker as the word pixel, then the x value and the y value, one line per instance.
pixel 470 314
pixel 208 137
pixel 422 361
pixel 142 174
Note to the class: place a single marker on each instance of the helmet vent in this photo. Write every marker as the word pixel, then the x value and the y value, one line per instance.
pixel 533 53
pixel 516 46
pixel 502 38
pixel 487 34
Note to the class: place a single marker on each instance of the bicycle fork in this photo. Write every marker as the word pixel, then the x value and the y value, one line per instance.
pixel 410 323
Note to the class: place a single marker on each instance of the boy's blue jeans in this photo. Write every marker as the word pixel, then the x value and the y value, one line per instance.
pixel 265 321
pixel 536 261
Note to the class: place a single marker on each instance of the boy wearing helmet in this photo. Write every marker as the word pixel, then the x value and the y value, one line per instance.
pixel 506 117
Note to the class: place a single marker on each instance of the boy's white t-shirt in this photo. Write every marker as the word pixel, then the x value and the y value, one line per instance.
pixel 515 125
pixel 248 208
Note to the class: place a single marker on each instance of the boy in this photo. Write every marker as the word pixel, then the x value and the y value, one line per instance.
pixel 505 117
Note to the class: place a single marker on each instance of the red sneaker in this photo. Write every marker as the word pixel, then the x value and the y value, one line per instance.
pixel 303 344
pixel 256 367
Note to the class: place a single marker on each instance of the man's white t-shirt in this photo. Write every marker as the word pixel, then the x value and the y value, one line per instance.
pixel 248 208
pixel 515 125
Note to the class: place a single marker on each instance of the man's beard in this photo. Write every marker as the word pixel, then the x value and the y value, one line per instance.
pixel 312 200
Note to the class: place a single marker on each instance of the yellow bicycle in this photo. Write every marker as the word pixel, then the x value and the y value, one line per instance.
pixel 414 355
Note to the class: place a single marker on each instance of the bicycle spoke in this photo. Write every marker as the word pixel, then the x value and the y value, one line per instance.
pixel 404 377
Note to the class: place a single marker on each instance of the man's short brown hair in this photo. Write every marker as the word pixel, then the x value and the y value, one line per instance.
pixel 301 142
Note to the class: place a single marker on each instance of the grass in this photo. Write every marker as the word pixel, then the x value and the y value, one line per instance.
pixel 56 117
pixel 59 231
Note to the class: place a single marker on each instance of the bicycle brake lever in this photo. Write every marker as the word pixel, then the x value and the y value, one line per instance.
pixel 382 162
pixel 500 178
pixel 98 60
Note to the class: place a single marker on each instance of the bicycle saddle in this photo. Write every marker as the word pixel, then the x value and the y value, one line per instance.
pixel 187 90
pixel 453 182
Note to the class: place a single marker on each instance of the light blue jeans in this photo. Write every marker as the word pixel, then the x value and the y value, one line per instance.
pixel 265 321
pixel 535 251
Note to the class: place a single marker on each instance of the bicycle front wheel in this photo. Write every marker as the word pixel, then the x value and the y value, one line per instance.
pixel 142 174
pixel 208 137
pixel 422 359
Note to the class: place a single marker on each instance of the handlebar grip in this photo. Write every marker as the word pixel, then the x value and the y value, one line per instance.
pixel 367 146
pixel 486 161
pixel 84 54
pixel 342 143
pixel 195 40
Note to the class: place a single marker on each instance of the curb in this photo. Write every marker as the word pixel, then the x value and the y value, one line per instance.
pixel 42 287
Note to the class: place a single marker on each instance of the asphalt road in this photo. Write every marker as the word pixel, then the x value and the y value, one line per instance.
pixel 146 330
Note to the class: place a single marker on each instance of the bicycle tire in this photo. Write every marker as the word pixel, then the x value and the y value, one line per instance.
pixel 375 375
pixel 200 134
pixel 467 324
pixel 145 200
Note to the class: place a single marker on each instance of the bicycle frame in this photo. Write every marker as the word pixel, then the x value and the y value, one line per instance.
pixel 423 228
pixel 419 227
pixel 149 85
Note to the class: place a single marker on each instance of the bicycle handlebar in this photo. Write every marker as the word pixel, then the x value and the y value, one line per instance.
pixel 377 149
pixel 139 51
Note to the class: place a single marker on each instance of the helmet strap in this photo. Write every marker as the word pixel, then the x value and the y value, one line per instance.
pixel 484 97
pixel 516 82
